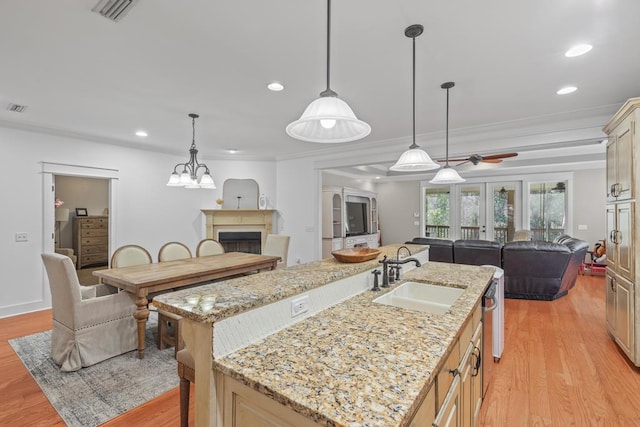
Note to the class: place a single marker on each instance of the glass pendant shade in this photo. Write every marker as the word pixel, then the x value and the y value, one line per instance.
pixel 174 180
pixel 447 175
pixel 414 160
pixel 207 182
pixel 328 119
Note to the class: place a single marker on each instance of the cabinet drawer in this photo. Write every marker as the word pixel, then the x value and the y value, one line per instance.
pixel 93 249
pixel 446 376
pixel 88 241
pixel 94 223
pixel 94 232
pixel 94 258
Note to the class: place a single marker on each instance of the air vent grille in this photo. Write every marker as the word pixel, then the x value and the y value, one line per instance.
pixel 16 108
pixel 114 10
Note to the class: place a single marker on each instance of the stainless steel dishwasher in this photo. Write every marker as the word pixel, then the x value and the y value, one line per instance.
pixel 493 325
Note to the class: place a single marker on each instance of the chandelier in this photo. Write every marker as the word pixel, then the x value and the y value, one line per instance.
pixel 188 178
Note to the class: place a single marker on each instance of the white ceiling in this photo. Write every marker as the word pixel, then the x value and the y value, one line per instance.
pixel 81 74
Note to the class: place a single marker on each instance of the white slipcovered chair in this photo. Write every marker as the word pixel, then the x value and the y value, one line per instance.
pixel 209 247
pixel 277 245
pixel 90 324
pixel 173 251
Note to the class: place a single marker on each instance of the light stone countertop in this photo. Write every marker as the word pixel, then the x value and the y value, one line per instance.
pixel 357 363
pixel 360 363
pixel 212 302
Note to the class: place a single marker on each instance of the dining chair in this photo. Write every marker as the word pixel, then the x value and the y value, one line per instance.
pixel 129 255
pixel 170 324
pixel 90 324
pixel 173 251
pixel 209 247
pixel 277 245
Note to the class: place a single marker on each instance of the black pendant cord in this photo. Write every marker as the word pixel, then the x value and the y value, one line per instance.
pixel 328 91
pixel 193 127
pixel 447 134
pixel 413 101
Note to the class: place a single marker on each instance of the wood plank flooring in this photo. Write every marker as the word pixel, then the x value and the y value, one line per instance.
pixel 559 368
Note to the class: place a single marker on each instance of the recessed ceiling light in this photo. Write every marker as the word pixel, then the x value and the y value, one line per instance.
pixel 377 177
pixel 232 150
pixel 577 50
pixel 566 90
pixel 275 86
pixel 141 133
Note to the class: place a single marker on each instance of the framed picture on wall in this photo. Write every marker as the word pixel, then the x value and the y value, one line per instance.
pixel 81 212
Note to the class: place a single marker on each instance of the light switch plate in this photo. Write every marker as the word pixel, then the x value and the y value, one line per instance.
pixel 22 236
pixel 582 227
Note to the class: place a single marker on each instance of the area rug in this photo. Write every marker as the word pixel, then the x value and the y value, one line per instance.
pixel 94 395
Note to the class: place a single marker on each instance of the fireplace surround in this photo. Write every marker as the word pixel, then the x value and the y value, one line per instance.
pixel 242 224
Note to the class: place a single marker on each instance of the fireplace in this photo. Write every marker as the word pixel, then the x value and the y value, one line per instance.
pixel 244 230
pixel 241 241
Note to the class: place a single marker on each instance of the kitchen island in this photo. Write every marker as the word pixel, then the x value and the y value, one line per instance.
pixel 354 363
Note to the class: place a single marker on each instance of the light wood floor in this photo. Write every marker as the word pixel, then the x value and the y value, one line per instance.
pixel 559 368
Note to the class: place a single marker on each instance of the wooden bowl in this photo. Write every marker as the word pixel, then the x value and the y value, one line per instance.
pixel 356 254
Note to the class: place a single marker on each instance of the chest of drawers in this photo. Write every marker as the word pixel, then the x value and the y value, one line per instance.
pixel 91 240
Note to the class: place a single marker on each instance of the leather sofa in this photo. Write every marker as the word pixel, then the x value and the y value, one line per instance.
pixel 532 269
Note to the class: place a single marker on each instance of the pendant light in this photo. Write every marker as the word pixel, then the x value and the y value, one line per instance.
pixel 447 175
pixel 328 119
pixel 414 159
pixel 189 176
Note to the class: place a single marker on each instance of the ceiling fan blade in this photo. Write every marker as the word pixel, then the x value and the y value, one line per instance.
pixel 463 162
pixel 499 156
pixel 454 160
pixel 491 160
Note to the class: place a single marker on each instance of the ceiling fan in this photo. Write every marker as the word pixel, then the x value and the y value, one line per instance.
pixel 477 158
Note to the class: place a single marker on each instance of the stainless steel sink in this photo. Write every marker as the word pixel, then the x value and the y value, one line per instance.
pixel 421 297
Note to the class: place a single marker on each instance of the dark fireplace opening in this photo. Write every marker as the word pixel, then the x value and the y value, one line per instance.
pixel 241 241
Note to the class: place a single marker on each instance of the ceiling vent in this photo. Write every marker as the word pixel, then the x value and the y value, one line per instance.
pixel 16 108
pixel 114 10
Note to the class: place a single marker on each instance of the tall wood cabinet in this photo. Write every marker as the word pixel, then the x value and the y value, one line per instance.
pixel 91 240
pixel 623 296
pixel 338 230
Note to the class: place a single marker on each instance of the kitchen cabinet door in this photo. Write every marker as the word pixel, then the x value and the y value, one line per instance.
pixel 449 413
pixel 624 240
pixel 625 315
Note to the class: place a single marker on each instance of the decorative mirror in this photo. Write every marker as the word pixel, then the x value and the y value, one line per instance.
pixel 240 194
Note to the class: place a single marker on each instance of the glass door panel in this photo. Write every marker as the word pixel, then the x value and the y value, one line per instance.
pixel 547 209
pixel 503 212
pixel 472 212
pixel 437 202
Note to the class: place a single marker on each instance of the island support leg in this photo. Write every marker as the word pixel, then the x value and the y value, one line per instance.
pixel 141 315
pixel 198 338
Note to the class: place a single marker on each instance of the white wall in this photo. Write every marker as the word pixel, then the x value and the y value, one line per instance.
pixel 397 202
pixel 589 201
pixel 299 185
pixel 148 212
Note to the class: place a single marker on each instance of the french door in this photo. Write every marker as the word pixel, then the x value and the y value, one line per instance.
pixel 484 210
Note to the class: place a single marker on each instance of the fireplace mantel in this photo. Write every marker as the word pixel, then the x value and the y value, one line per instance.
pixel 238 220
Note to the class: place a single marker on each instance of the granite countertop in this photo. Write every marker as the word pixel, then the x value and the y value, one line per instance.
pixel 210 303
pixel 360 363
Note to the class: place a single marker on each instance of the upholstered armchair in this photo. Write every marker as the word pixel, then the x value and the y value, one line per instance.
pixel 90 324
pixel 68 252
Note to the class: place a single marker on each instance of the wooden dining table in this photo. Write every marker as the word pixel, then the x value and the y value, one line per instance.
pixel 141 280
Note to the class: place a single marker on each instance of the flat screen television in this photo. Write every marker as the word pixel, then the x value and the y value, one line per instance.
pixel 356 218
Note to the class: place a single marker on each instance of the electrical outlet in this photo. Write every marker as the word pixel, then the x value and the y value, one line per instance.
pixel 22 236
pixel 416 222
pixel 298 260
pixel 582 227
pixel 299 305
